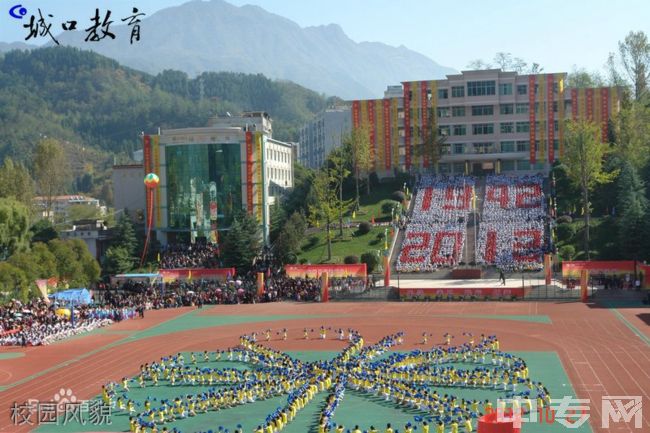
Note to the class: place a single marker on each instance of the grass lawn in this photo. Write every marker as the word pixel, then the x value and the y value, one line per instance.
pixel 350 244
pixel 370 204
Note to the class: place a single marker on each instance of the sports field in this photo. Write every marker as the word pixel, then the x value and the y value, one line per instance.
pixel 577 350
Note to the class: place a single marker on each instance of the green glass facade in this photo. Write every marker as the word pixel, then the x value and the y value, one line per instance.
pixel 197 177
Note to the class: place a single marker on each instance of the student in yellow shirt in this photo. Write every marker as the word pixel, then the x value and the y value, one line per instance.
pixel 468 425
pixel 389 429
pixel 356 429
pixel 440 428
pixel 340 429
pixel 454 426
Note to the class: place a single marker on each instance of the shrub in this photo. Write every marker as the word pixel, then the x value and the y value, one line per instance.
pixel 371 261
pixel 311 242
pixel 374 179
pixel 565 231
pixel 381 235
pixel 567 252
pixel 387 206
pixel 303 261
pixel 364 228
pixel 565 219
pixel 291 259
pixel 351 260
pixel 398 196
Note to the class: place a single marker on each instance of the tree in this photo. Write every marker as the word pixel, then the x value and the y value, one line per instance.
pixel 634 54
pixel 581 78
pixel 117 260
pixel 296 201
pixel 337 172
pixel 125 234
pixel 88 263
pixel 51 171
pixel 78 212
pixel 433 142
pixel 478 64
pixel 46 260
pixel 13 282
pixel 291 236
pixel 506 62
pixel 584 156
pixel 43 231
pixel 242 242
pixel 16 182
pixel 324 204
pixel 14 227
pixel 74 263
pixel 356 151
pixel 631 130
pixel 278 219
pixel 631 208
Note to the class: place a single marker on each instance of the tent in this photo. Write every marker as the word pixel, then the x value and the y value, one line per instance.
pixel 74 296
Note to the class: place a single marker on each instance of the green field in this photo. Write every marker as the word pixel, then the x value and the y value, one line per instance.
pixel 350 244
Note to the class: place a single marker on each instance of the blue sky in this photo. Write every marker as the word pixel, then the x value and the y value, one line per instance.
pixel 555 33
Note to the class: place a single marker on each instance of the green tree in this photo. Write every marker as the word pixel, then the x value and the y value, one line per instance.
pixel 296 201
pixel 43 231
pixel 324 204
pixel 634 54
pixel 581 78
pixel 51 171
pixel 631 130
pixel 13 282
pixel 584 156
pixel 356 151
pixel 78 212
pixel 125 234
pixel 68 268
pixel 337 172
pixel 117 260
pixel 242 242
pixel 16 182
pixel 291 236
pixel 45 259
pixel 278 219
pixel 632 208
pixel 14 227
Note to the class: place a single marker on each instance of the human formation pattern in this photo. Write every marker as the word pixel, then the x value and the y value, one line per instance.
pixel 417 379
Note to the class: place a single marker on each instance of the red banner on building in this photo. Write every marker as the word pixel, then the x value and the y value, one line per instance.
pixel 249 171
pixel 574 104
pixel 220 274
pixel 477 292
pixel 407 125
pixel 334 271
pixel 604 113
pixel 590 104
pixel 387 153
pixel 356 114
pixel 424 121
pixel 146 154
pixel 550 96
pixel 531 118
pixel 371 133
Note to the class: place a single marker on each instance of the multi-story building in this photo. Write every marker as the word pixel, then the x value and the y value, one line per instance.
pixel 476 122
pixel 209 173
pixel 321 135
pixel 60 205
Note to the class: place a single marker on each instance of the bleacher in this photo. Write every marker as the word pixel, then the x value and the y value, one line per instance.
pixel 511 224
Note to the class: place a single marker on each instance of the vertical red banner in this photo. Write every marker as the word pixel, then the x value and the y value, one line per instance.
pixel 356 114
pixel 387 153
pixel 531 118
pixel 604 113
pixel 424 106
pixel 371 126
pixel 407 125
pixel 146 154
pixel 550 97
pixel 584 282
pixel 590 105
pixel 249 171
pixel 574 104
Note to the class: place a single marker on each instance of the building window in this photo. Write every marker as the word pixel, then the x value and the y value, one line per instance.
pixel 523 146
pixel 443 130
pixel 481 88
pixel 459 167
pixel 483 128
pixel 460 130
pixel 507 146
pixel 458 111
pixel 446 149
pixel 482 110
pixel 505 89
pixel 443 112
pixel 459 148
pixel 507 165
pixel 483 147
pixel 522 89
pixel 506 108
pixel 521 108
pixel 457 91
pixel 507 128
pixel 523 126
pixel 523 165
pixel 443 93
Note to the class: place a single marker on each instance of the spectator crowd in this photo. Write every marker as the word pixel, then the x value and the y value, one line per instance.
pixel 511 231
pixel 436 230
pixel 197 255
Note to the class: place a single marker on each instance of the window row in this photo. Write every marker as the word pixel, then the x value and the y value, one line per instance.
pixel 485 88
pixel 491 147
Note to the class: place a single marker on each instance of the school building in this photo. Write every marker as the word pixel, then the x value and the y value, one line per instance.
pixel 484 121
pixel 208 174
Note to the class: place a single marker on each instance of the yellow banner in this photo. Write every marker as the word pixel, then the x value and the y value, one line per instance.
pixel 259 174
pixel 380 155
pixel 395 132
pixel 560 113
pixel 541 115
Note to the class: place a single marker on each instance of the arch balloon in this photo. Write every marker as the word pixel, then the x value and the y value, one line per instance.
pixel 151 181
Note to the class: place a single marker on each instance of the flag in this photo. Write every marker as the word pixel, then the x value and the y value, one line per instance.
pixel 189 276
pixel 158 257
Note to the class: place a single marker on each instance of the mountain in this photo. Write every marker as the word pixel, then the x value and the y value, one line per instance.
pixel 4 46
pixel 98 108
pixel 214 35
